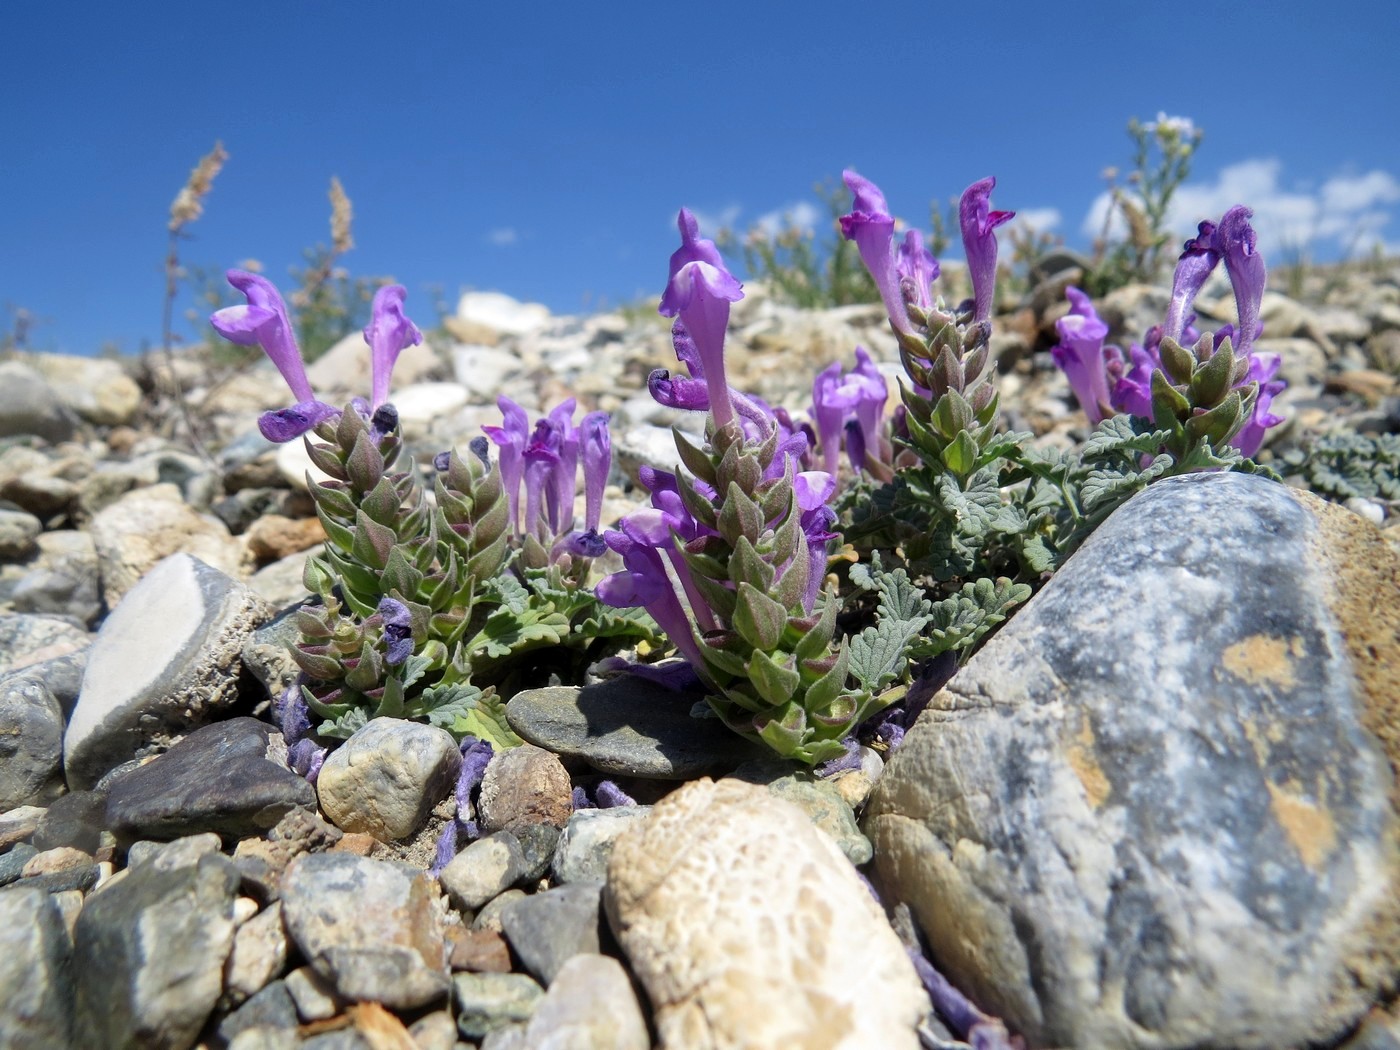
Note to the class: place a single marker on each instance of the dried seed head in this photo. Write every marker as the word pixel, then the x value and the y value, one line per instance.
pixel 189 202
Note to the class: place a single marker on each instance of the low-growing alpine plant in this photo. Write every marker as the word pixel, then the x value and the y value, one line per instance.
pixel 818 577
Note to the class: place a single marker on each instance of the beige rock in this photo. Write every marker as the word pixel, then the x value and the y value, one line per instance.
pixel 272 537
pixel 387 777
pixel 60 858
pixel 523 786
pixel 749 928
pixel 590 1005
pixel 149 524
pixel 259 955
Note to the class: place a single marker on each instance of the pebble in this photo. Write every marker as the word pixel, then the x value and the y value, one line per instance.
pixel 547 929
pixel 628 726
pixel 28 638
pixel 35 972
pixel 12 863
pixel 167 856
pixel 258 956
pixel 371 928
pixel 587 842
pixel 272 1008
pixel 522 786
pixel 29 405
pixel 590 1005
pixel 819 799
pixel 141 684
pixel 217 779
pixel 19 823
pixel 314 996
pixel 386 779
pixel 489 917
pixel 75 819
pixel 488 1001
pixel 1187 814
pixel 60 858
pixel 31 742
pixel 18 531
pixel 480 951
pixel 486 868
pixel 728 901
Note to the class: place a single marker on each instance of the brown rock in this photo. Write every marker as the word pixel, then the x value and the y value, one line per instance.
pixel 273 537
pixel 525 785
pixel 480 951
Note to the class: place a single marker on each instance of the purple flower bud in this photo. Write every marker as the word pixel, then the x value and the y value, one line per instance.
pixel 511 438
pixel 388 333
pixel 305 759
pixel 595 445
pixel 813 489
pixel 1199 257
pixel 1236 241
pixel 849 760
pixel 610 796
pixel 1080 355
pixel 917 269
pixel 442 461
pixel 699 291
pixel 293 714
pixel 481 449
pixel 263 322
pixel 871 226
pixel 580 799
pixel 678 391
pixel 383 421
pixel 398 630
pixel 979 225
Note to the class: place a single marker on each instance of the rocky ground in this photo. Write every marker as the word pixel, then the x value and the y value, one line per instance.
pixel 1110 830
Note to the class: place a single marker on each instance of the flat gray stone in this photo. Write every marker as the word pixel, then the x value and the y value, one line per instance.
pixel 149 953
pixel 587 842
pixel 1158 808
pixel 371 928
pixel 218 779
pixel 487 1002
pixel 36 983
pixel 628 726
pixel 76 819
pixel 164 661
pixel 547 929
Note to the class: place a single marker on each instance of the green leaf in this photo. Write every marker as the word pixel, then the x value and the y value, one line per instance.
pixel 758 618
pixel 775 683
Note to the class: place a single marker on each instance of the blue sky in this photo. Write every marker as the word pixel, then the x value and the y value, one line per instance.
pixel 543 149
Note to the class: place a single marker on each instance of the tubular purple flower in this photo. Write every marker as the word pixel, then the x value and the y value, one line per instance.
pixel 595 448
pixel 540 464
pixel 979 225
pixel 263 321
pixel 388 334
pixel 1237 242
pixel 305 759
pixel 917 269
pixel 678 391
pixel 836 397
pixel 1262 369
pixel 1132 392
pixel 564 482
pixel 1080 355
pixel 643 582
pixel 813 489
pixel 871 226
pixel 699 291
pixel 511 438
pixel 398 630
pixel 1199 257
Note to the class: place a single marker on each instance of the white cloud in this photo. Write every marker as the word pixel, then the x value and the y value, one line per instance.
pixel 711 222
pixel 804 215
pixel 1347 213
pixel 1040 220
pixel 503 236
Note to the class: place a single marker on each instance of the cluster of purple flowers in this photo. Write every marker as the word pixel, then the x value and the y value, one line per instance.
pixel 263 321
pixel 1106 379
pixel 542 462
pixel 655 575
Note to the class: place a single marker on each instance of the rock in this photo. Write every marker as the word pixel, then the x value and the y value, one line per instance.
pixel 537 845
pixel 62 580
pixel 484 370
pixel 522 786
pixel 486 868
pixel 149 525
pixel 588 839
pixel 387 777
pixel 81 879
pixel 29 405
pixel 314 996
pixel 149 953
pixel 645 445
pixel 258 956
pixel 281 583
pixel 271 1008
pixel 266 656
pixel 59 858
pixel 180 853
pixel 12 863
pixel 421 403
pixel 31 742
pixel 489 918
pixel 294 463
pixel 488 1001
pixel 27 639
pixel 748 927
pixel 343 371
pixel 627 726
pixel 272 537
pixel 1158 808
pixel 75 819
pixel 97 389
pixel 590 1005
pixel 480 951
pixel 217 779
pixel 18 531
pixel 40 493
pixel 164 660
pixel 18 824
pixel 369 927
pixel 819 799
pixel 500 314
pixel 36 983
pixel 547 929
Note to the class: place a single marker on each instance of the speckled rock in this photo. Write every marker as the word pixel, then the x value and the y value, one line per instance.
pixel 487 1002
pixel 748 928
pixel 522 786
pixel 18 531
pixel 31 742
pixel 486 868
pixel 588 839
pixel 165 660
pixel 387 777
pixel 1159 808
pixel 371 928
pixel 27 639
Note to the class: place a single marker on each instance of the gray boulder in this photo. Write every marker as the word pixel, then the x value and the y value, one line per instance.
pixel 1159 808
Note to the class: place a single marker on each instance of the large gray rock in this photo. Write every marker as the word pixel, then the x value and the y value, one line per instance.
pixel 1159 808
pixel 29 405
pixel 149 954
pixel 748 927
pixel 36 982
pixel 31 742
pixel 166 659
pixel 370 928
pixel 386 779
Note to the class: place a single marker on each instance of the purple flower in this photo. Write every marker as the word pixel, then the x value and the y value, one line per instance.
pixel 643 582
pixel 1081 355
pixel 305 759
pixel 388 334
pixel 595 448
pixel 1236 241
pixel 1262 369
pixel 511 438
pixel 980 242
pixel 476 756
pixel 610 796
pixel 917 269
pixel 871 226
pixel 837 397
pixel 293 714
pixel 1198 258
pixel 398 630
pixel 699 291
pixel 263 322
pixel 1132 390
pixel 814 489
